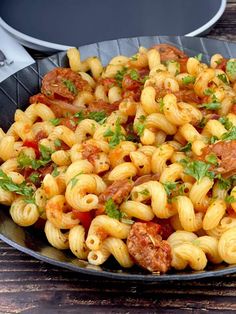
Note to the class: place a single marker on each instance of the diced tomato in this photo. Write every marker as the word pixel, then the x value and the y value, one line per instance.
pixel 84 217
pixel 231 212
pixel 166 228
pixel 233 109
pixel 222 64
pixel 33 144
pixel 70 123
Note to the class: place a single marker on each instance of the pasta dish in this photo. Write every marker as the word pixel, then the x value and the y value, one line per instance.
pixel 135 160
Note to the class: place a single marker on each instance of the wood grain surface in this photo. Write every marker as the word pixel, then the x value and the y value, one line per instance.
pixel 30 286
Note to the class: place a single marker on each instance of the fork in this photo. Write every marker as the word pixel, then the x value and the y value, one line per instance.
pixel 4 60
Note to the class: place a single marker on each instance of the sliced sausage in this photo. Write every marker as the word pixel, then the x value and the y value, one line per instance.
pixel 119 190
pixel 226 153
pixel 147 248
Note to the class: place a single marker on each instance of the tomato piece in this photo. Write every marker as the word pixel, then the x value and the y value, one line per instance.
pixel 70 122
pixel 233 109
pixel 231 212
pixel 165 228
pixel 222 64
pixel 33 144
pixel 84 217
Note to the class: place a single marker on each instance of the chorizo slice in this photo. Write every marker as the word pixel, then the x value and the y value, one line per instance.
pixel 119 190
pixel 226 154
pixel 147 248
pixel 63 84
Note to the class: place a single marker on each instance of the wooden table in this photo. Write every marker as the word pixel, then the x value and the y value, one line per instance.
pixel 30 286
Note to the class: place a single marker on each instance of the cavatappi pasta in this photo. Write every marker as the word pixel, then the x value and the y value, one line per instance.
pixel 135 160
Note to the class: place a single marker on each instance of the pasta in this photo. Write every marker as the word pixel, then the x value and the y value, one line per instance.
pixel 134 160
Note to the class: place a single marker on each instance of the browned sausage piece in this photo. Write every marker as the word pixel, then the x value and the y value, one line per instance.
pixel 226 153
pixel 119 190
pixel 63 84
pixel 147 248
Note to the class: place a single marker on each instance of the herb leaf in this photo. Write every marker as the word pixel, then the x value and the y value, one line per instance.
pixel 226 123
pixel 224 184
pixel 211 106
pixel 116 136
pixel 212 159
pixel 169 186
pixel 197 169
pixel 120 75
pixel 98 116
pixel 223 78
pixel 111 209
pixel 230 135
pixel 55 121
pixel 230 199
pixel 70 86
pixel 7 184
pixel 188 80
pixel 186 148
pixel 199 57
pixel 231 68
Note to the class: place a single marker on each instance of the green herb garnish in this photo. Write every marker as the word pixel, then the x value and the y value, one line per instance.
pixel 70 86
pixel 116 136
pixel 186 148
pixel 197 169
pixel 55 121
pixel 188 80
pixel 111 209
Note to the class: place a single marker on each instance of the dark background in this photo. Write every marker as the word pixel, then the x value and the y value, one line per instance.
pixel 30 286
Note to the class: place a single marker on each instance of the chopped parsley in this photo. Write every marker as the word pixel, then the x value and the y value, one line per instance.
pixel 116 136
pixel 202 123
pixel 230 199
pixel 188 80
pixel 186 148
pixel 213 139
pixel 161 103
pixel 197 169
pixel 231 68
pixel 120 75
pixel 45 152
pixel 199 57
pixel 208 91
pixel 7 184
pixel 224 184
pixel 212 159
pixel 111 209
pixel 226 123
pixel 98 116
pixel 139 128
pixel 80 116
pixel 55 121
pixel 34 177
pixel 55 172
pixel 223 78
pixel 134 75
pixel 25 161
pixel 57 143
pixel 169 187
pixel 211 106
pixel 230 135
pixel 134 58
pixel 70 86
